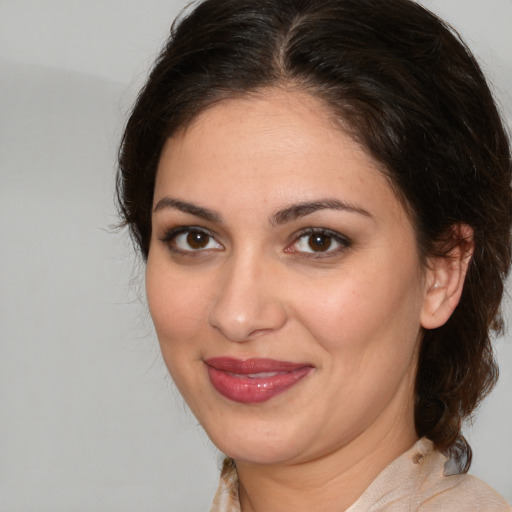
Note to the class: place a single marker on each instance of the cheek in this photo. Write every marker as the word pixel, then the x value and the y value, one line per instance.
pixel 177 305
pixel 365 314
pixel 178 308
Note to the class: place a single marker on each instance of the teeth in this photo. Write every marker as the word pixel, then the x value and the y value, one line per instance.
pixel 255 375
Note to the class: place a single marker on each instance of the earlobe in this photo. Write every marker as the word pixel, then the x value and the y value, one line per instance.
pixel 445 277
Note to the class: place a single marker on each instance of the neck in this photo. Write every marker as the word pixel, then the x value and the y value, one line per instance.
pixel 331 482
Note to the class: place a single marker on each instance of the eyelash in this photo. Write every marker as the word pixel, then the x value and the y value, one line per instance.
pixel 170 237
pixel 343 242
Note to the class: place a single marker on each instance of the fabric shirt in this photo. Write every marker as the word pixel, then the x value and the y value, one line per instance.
pixel 413 482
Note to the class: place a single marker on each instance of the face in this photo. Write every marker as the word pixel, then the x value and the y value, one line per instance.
pixel 284 282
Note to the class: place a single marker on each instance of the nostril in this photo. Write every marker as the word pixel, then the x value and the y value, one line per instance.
pixel 248 304
pixel 243 322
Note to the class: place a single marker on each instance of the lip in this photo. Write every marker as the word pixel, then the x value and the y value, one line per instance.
pixel 254 381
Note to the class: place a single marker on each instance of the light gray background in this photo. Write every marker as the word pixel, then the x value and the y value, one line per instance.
pixel 89 420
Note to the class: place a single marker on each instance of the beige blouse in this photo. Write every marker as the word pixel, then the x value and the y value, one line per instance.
pixel 413 482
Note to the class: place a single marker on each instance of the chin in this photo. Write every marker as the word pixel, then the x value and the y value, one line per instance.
pixel 263 452
pixel 268 444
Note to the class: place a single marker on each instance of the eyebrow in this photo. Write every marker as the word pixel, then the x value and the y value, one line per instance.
pixel 184 206
pixel 296 211
pixel 283 216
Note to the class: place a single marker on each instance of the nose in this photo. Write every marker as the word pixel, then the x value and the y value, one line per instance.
pixel 248 303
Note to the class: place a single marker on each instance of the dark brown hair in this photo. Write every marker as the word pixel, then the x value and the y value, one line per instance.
pixel 410 92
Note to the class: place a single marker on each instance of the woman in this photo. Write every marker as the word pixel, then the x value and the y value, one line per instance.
pixel 321 191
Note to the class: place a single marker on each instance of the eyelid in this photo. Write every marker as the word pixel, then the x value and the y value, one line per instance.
pixel 343 241
pixel 172 234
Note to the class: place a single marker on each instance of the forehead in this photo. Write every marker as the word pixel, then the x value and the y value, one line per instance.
pixel 274 147
pixel 273 124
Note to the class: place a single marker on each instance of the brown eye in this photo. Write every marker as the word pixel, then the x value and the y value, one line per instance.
pixel 197 239
pixel 191 240
pixel 319 242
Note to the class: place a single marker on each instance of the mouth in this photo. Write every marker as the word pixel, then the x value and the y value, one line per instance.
pixel 254 381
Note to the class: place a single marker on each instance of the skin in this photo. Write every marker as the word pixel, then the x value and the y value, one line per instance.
pixel 254 287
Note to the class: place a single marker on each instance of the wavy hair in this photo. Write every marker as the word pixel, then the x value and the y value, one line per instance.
pixel 405 86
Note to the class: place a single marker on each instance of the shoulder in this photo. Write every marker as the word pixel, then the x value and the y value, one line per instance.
pixel 418 482
pixel 463 493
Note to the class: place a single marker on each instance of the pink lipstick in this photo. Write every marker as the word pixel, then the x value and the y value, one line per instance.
pixel 253 381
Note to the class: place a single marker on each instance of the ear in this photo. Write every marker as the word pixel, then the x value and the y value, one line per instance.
pixel 445 277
